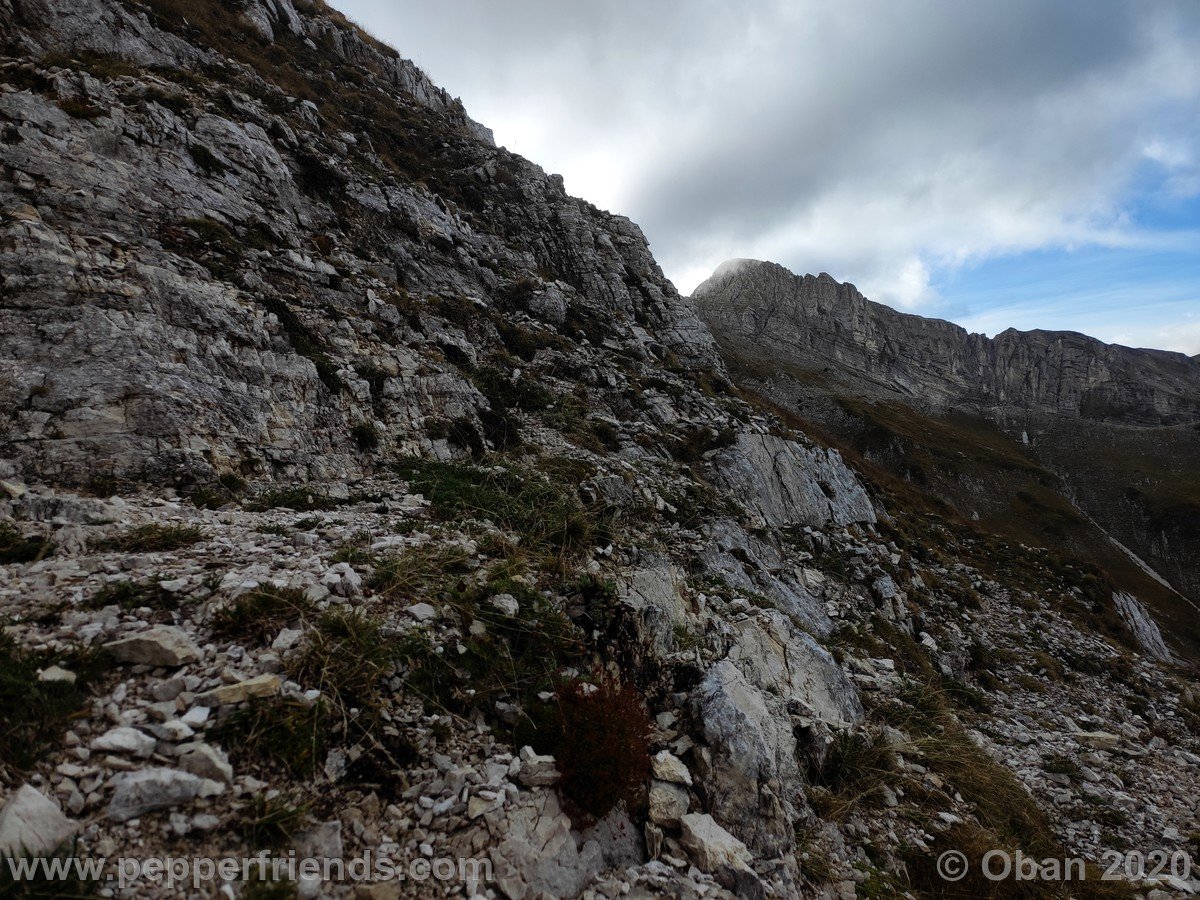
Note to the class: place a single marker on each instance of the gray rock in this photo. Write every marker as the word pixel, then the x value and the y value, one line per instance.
pixel 536 770
pixel 206 761
pixel 539 855
pixel 240 692
pixel 787 483
pixel 162 645
pixel 32 824
pixel 749 772
pixel 148 790
pixel 710 845
pixel 1141 623
pixel 668 767
pixel 125 740
pixel 667 803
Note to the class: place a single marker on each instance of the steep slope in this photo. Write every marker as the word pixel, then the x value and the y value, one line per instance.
pixel 1053 438
pixel 363 493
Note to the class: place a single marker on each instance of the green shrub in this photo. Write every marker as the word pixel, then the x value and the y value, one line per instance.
pixel 365 435
pixel 695 442
pixel 177 103
pixel 856 766
pixel 1060 764
pixel 419 571
pixel 78 108
pixel 303 341
pixel 505 393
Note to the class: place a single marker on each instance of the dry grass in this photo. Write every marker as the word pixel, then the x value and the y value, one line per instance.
pixel 152 539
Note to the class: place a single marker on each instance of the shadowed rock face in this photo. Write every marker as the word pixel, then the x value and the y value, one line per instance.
pixel 814 322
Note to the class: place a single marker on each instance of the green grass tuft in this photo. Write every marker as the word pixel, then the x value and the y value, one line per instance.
pixel 36 713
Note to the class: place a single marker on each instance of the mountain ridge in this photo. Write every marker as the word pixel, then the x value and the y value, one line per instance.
pixel 1117 428
pixel 1059 371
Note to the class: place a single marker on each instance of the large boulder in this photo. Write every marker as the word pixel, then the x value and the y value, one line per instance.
pixel 163 645
pixel 652 594
pixel 784 661
pixel 148 790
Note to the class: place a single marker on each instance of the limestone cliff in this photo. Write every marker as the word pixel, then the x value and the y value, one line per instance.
pixel 814 322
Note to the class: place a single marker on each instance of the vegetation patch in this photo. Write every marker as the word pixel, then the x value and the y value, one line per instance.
pixel 206 160
pixel 510 657
pixel 365 435
pixel 857 766
pixel 152 538
pixel 271 821
pixel 286 733
pixel 419 572
pixel 304 341
pixel 36 713
pixel 548 518
pixel 601 744
pixel 258 615
pixel 346 657
pixel 299 498
pixel 130 595
pixel 16 548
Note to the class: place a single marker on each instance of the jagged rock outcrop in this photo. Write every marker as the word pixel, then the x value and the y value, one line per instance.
pixel 420 520
pixel 789 484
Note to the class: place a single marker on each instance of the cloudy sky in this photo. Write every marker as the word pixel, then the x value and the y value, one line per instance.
pixel 1000 163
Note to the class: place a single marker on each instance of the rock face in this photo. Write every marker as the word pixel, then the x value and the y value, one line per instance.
pixel 813 322
pixel 377 461
pixel 789 484
pixel 216 335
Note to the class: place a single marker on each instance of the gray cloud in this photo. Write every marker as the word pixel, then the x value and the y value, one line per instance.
pixel 883 142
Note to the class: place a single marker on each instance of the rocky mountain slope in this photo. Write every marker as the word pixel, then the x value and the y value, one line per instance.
pixel 362 492
pixel 1052 437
